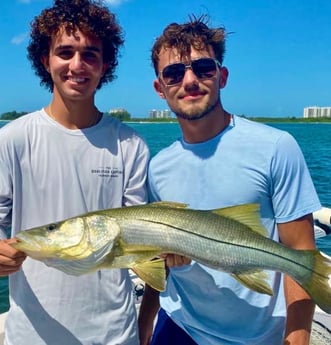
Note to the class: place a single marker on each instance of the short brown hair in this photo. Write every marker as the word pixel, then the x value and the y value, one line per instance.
pixel 195 33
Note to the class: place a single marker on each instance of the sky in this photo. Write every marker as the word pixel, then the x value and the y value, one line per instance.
pixel 278 54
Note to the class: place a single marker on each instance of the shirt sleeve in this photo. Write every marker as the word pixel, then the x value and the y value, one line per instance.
pixel 5 195
pixel 293 193
pixel 135 165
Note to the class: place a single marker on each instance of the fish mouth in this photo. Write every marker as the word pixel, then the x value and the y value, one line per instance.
pixel 29 246
pixel 37 249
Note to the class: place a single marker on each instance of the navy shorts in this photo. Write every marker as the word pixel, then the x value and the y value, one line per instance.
pixel 166 332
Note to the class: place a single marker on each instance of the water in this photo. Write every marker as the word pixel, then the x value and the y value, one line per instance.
pixel 313 138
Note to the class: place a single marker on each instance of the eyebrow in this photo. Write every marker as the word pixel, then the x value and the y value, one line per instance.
pixel 89 48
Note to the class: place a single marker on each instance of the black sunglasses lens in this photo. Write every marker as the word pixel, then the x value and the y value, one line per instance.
pixel 204 68
pixel 174 73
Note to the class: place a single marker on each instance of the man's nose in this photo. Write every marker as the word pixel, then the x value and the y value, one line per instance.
pixel 189 76
pixel 77 62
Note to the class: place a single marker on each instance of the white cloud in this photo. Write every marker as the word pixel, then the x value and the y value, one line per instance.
pixel 17 40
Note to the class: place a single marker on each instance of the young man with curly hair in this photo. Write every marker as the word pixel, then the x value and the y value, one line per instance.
pixel 224 160
pixel 61 161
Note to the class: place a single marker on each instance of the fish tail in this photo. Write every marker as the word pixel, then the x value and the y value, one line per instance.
pixel 319 284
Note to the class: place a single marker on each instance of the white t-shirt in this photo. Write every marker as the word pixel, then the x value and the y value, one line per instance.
pixel 50 173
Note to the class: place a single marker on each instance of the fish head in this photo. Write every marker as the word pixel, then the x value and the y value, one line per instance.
pixel 51 239
pixel 72 239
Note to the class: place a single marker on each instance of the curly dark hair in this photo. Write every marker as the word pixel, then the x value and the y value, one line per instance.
pixel 90 17
pixel 195 33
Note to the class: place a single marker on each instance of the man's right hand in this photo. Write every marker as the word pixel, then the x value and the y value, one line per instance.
pixel 174 260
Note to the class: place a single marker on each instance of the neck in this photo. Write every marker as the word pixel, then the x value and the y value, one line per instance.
pixel 205 128
pixel 73 116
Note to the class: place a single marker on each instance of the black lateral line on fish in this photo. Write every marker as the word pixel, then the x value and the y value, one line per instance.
pixel 242 246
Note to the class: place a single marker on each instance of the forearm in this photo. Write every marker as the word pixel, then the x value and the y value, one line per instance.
pixel 148 310
pixel 298 234
pixel 300 312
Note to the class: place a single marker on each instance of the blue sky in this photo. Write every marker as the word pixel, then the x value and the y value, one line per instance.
pixel 279 55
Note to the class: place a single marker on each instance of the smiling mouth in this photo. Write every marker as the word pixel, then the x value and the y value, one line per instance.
pixel 77 80
pixel 192 96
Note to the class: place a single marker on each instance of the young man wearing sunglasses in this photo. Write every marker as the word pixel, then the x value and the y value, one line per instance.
pixel 224 160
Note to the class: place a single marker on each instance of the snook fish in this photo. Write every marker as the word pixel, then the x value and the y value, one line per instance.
pixel 230 239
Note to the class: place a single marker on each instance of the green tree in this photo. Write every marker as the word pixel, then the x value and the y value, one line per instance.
pixel 121 114
pixel 12 115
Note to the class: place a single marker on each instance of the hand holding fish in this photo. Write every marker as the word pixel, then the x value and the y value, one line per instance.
pixel 10 259
pixel 173 260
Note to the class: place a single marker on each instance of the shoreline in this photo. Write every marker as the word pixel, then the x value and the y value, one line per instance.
pixel 319 120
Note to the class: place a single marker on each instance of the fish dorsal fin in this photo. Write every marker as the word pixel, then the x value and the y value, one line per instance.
pixel 171 204
pixel 247 214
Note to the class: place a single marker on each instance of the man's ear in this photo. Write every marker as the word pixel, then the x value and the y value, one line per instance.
pixel 158 88
pixel 224 73
pixel 45 61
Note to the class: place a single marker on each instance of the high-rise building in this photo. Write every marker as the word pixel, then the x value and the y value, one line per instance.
pixel 316 112
pixel 159 114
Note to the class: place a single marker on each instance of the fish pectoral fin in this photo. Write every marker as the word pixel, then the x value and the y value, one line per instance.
pixel 254 280
pixel 152 273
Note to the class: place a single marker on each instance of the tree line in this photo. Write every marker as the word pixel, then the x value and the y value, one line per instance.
pixel 12 115
pixel 122 115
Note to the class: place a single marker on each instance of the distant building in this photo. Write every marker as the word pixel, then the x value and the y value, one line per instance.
pixel 316 112
pixel 116 110
pixel 160 114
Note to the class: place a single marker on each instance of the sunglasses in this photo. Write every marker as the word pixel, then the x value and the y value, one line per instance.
pixel 204 68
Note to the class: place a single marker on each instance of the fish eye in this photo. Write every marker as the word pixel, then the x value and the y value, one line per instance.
pixel 51 227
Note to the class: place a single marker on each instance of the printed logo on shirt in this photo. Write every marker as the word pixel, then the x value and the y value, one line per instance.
pixel 107 172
